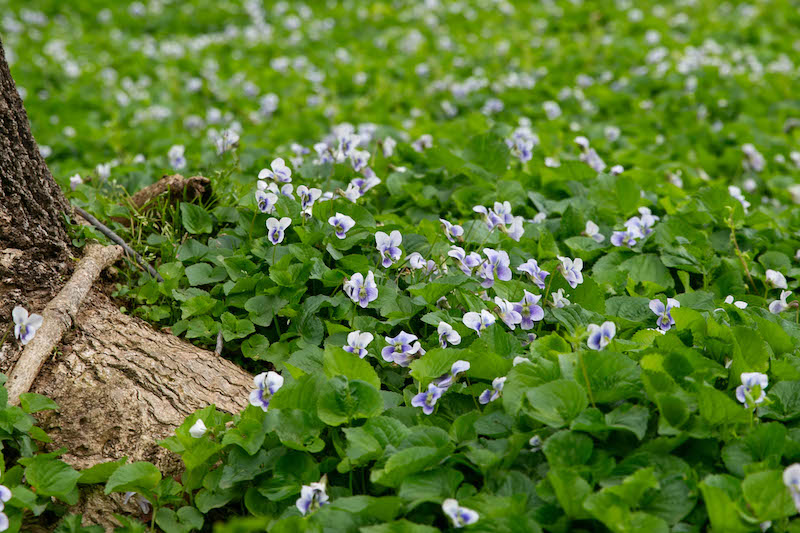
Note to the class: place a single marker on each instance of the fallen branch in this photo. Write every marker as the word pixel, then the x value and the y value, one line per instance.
pixel 130 252
pixel 59 315
pixel 178 187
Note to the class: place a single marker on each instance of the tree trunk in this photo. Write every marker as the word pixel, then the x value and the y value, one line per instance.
pixel 31 204
pixel 121 386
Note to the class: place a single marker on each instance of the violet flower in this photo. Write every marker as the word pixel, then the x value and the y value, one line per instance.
pixel 401 348
pixel 448 335
pixel 267 384
pixel 460 516
pixel 276 229
pixel 446 381
pixel 665 320
pixel 361 290
pixel 490 395
pixel 312 497
pixel 752 381
pixel 478 321
pixel 389 247
pixel 600 336
pixel 357 343
pixel 529 310
pixel 427 399
pixel 278 171
pixel 341 224
pixel 537 275
pixel 25 326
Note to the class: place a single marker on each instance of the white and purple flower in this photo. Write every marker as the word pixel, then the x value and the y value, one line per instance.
pixel 427 399
pixel 267 384
pixel 559 299
pixel 25 325
pixel 176 157
pixel 341 224
pixel 753 383
pixel 357 343
pixel 490 395
pixel 600 336
pixel 448 335
pixel 625 238
pixel 593 231
pixel 779 306
pixel 529 310
pixel 478 321
pixel 452 231
pixel 389 247
pixel 276 229
pixel 537 275
pixel 791 478
pixel 665 320
pixel 571 269
pixel 308 196
pixel 446 381
pixel 460 516
pixel 312 497
pixel 278 171
pixel 266 201
pixel 496 264
pixel 466 263
pixel 775 279
pixel 360 289
pixel 507 312
pixel 5 495
pixel 401 348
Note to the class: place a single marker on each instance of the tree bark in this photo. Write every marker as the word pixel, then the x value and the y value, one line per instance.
pixel 32 206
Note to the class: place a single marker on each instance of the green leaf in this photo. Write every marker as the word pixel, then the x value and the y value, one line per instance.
pixel 571 490
pixel 337 362
pixel 342 401
pixel 612 376
pixel 721 494
pixel 235 328
pixel 205 274
pixel 767 496
pixel 263 308
pixel 195 219
pixel 785 406
pixel 33 403
pixel 431 486
pixel 139 477
pixel 716 408
pixel 556 403
pixel 50 477
pixel 399 526
pixel 490 152
pixel 100 472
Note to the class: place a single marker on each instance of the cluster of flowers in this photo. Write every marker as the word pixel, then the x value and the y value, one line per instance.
pixel 637 227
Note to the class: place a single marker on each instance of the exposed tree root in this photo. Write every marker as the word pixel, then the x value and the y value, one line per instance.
pixel 58 316
pixel 121 387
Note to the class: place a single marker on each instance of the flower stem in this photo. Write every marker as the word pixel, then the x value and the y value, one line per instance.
pixel 586 378
pixel 739 253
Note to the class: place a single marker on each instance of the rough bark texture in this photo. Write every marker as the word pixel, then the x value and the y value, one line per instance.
pixel 31 204
pixel 121 387
pixel 58 315
pixel 34 248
